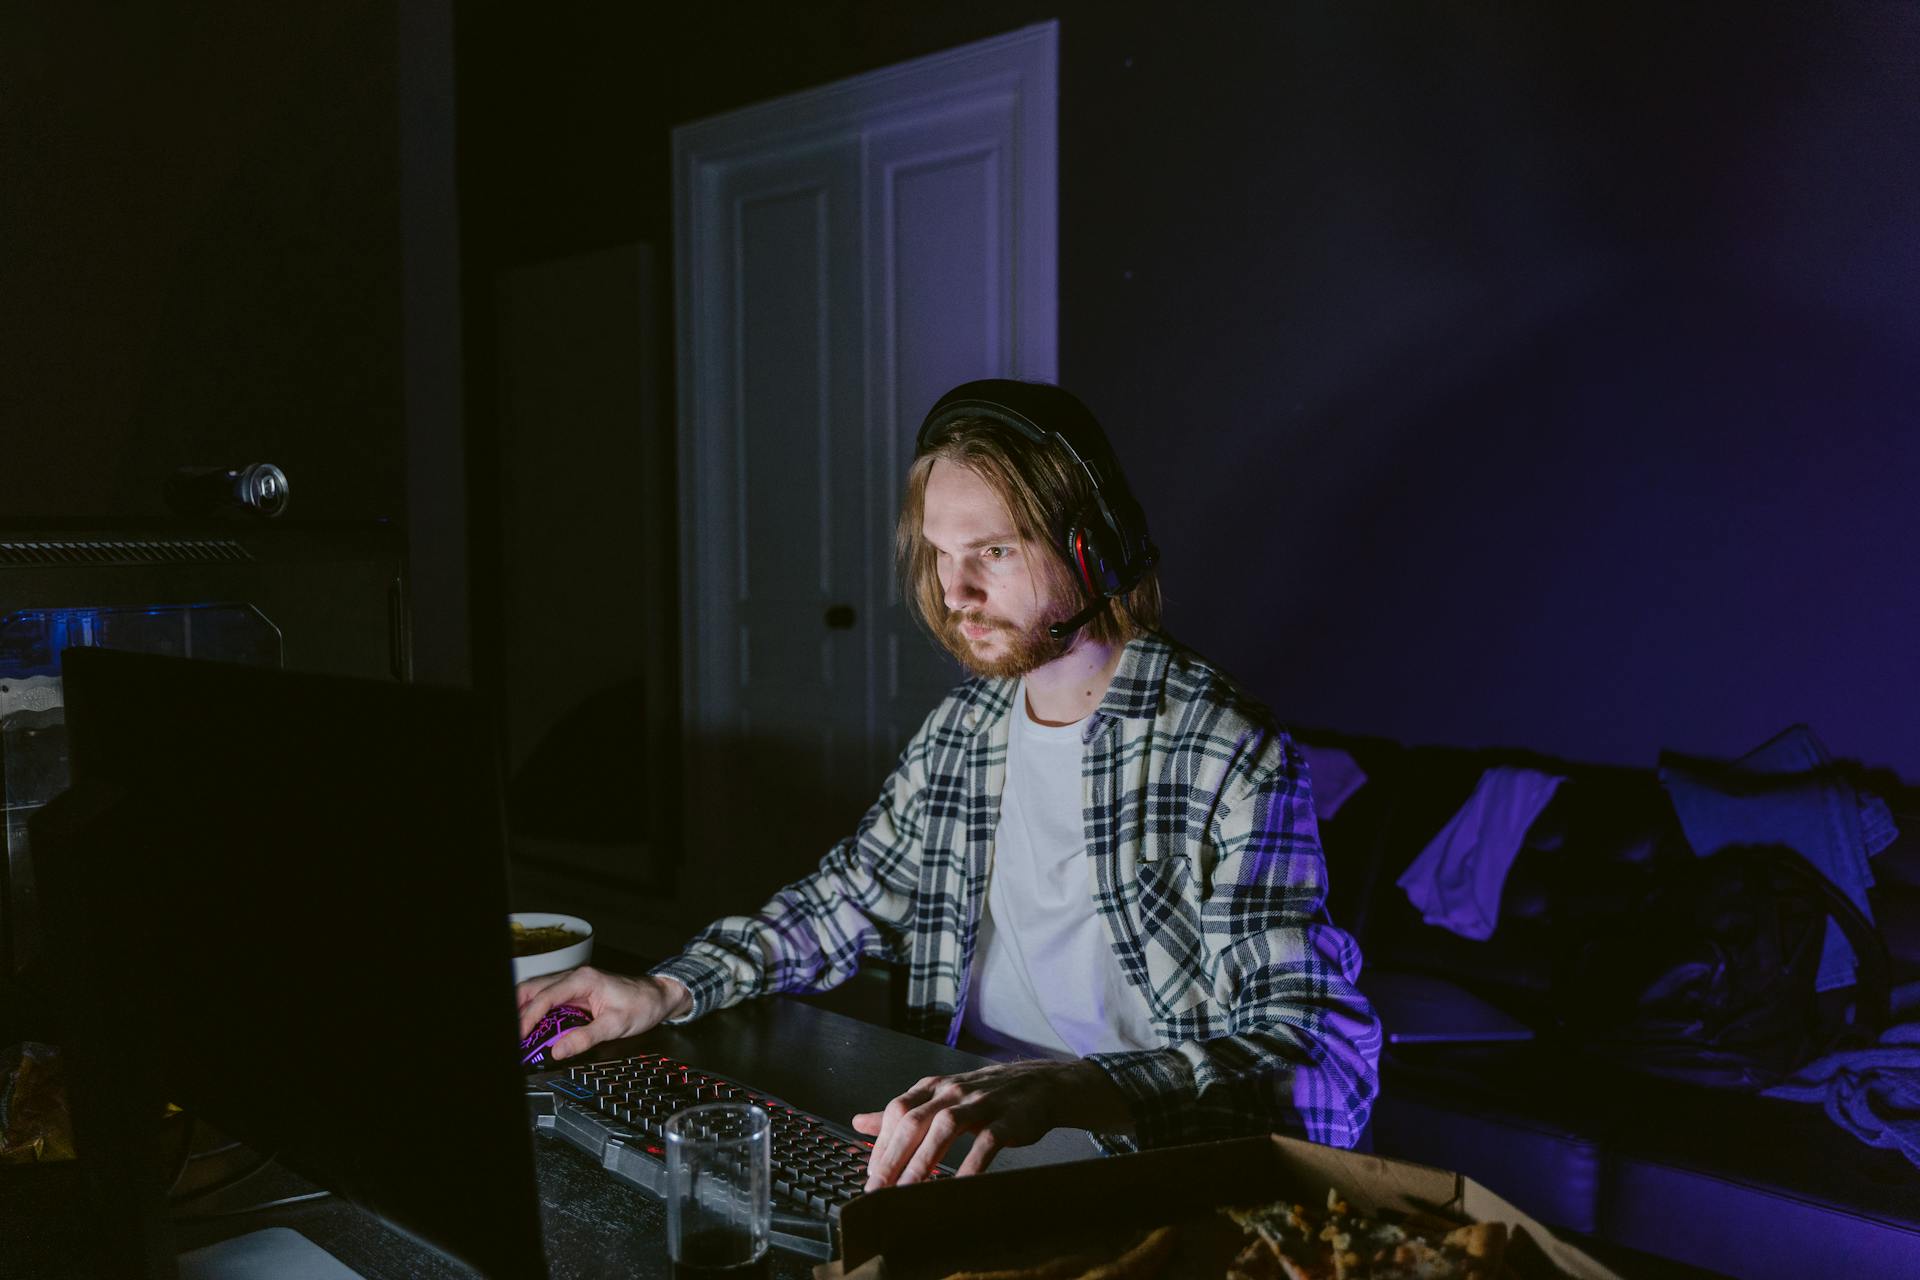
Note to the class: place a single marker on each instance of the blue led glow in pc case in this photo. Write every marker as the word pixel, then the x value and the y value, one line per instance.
pixel 322 598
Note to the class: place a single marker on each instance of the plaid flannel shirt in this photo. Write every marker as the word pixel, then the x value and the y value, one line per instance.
pixel 1207 873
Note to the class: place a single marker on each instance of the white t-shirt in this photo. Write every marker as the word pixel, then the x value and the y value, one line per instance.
pixel 1045 980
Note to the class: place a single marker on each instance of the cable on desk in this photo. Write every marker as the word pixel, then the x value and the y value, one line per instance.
pixel 234 1180
pixel 282 1202
pixel 217 1151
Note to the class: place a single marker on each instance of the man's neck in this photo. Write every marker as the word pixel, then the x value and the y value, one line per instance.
pixel 1068 689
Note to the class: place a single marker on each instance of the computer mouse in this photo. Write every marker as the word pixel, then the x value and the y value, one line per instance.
pixel 557 1021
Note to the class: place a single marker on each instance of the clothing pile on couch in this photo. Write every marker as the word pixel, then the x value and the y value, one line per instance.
pixel 1673 1009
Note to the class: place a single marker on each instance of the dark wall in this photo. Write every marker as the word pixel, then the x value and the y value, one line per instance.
pixel 1525 375
pixel 200 253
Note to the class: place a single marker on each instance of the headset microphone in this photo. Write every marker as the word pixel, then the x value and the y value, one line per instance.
pixel 1061 630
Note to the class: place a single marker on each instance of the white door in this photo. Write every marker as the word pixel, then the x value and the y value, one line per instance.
pixel 843 257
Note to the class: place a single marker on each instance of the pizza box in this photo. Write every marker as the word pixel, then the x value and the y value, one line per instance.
pixel 1024 1217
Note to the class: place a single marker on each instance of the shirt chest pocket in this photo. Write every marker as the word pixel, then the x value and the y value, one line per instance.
pixel 1164 924
pixel 1165 889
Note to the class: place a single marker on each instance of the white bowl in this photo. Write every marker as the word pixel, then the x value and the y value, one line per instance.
pixel 546 962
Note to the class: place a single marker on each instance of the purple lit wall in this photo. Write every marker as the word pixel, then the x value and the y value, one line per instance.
pixel 1542 380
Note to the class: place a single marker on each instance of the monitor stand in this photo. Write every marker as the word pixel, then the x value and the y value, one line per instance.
pixel 277 1253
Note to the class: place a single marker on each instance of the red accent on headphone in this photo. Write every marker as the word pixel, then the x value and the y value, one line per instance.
pixel 1080 554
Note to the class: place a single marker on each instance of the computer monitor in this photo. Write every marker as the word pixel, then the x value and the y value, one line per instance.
pixel 280 902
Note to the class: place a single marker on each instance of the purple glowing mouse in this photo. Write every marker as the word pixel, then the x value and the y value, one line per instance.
pixel 559 1020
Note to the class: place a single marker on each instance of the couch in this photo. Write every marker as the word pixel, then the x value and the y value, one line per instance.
pixel 1727 1182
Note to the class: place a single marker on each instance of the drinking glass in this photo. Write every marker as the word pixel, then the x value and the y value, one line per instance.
pixel 719 1191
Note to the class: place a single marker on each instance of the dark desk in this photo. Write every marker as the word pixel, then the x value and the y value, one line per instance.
pixel 596 1227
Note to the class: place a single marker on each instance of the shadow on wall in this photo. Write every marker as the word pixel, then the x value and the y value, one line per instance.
pixel 775 815
pixel 589 786
pixel 586 779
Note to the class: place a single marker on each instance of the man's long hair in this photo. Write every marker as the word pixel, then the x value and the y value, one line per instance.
pixel 1043 491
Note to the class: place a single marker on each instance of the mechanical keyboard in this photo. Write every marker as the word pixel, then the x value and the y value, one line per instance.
pixel 615 1111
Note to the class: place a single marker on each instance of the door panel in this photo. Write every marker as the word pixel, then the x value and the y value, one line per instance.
pixel 792 275
pixel 943 194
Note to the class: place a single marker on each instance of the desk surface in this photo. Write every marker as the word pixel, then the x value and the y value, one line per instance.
pixel 595 1225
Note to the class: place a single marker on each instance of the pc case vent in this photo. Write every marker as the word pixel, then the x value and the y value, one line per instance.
pixel 111 552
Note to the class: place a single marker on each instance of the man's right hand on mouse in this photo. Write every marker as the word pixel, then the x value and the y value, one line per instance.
pixel 620 1006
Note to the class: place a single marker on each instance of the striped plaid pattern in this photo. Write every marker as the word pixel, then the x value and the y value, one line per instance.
pixel 1208 875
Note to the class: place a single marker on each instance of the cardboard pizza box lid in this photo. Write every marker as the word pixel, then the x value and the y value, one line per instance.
pixel 933 1229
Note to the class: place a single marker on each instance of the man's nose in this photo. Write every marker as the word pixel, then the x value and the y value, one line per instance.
pixel 961 589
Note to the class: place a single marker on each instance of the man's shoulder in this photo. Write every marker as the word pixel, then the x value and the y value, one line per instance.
pixel 1207 722
pixel 1199 692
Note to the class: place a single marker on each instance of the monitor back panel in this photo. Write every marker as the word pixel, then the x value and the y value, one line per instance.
pixel 306 895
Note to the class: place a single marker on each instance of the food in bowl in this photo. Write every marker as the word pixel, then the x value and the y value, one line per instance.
pixel 546 942
pixel 533 941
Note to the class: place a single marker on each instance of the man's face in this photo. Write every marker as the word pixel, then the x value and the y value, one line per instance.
pixel 999 603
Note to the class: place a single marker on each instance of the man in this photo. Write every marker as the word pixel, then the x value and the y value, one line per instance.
pixel 1097 859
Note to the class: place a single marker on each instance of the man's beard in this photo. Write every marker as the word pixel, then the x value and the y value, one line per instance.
pixel 1024 650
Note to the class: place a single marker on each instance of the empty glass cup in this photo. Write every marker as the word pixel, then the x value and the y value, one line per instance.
pixel 719 1191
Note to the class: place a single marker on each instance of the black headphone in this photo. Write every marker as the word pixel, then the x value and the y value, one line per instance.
pixel 1106 544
